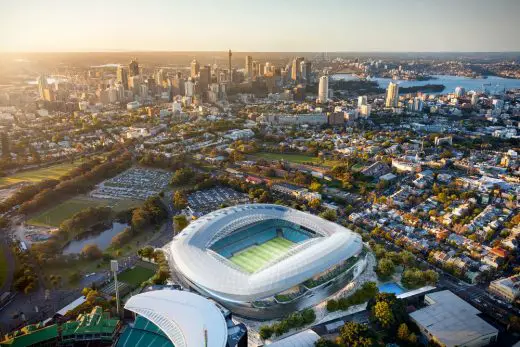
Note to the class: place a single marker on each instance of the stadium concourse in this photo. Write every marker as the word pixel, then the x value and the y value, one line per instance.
pixel 263 261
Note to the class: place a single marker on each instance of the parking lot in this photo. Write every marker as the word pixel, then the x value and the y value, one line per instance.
pixel 134 183
pixel 205 201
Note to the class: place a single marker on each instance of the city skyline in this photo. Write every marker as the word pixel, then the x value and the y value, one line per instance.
pixel 331 25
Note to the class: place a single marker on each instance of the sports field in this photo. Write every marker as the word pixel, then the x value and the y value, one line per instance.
pixel 135 276
pixel 57 214
pixel 294 158
pixel 51 172
pixel 253 258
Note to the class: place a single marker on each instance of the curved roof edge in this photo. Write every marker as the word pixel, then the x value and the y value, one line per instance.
pixel 186 318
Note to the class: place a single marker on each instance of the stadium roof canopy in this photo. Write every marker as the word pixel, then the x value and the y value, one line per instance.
pixel 223 280
pixel 186 318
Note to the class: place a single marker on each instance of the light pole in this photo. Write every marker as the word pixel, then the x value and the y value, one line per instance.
pixel 114 266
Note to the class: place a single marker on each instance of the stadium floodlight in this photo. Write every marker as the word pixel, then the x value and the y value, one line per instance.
pixel 114 267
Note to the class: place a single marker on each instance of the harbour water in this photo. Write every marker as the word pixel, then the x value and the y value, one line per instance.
pixel 491 84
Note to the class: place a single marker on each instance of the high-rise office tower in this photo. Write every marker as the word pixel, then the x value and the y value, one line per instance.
pixel 255 69
pixel 308 70
pixel 42 85
pixel 260 69
pixel 392 95
pixel 361 100
pixel 295 69
pixel 178 84
pixel 160 76
pixel 323 90
pixel 474 99
pixel 133 68
pixel 303 70
pixel 230 70
pixel 122 76
pixel 204 79
pixel 195 68
pixel 417 104
pixel 460 91
pixel 189 88
pixel 249 67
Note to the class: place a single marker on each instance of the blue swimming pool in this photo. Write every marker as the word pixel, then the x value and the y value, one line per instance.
pixel 391 287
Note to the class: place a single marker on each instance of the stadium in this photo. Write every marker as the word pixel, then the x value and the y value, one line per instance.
pixel 262 261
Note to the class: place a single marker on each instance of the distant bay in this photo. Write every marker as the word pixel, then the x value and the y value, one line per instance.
pixel 491 84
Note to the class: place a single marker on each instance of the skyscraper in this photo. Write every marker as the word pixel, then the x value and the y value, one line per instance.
pixel 195 68
pixel 474 99
pixel 160 76
pixel 204 79
pixel 295 69
pixel 362 100
pixel 249 67
pixel 323 91
pixel 260 69
pixel 308 69
pixel 133 68
pixel 122 76
pixel 42 85
pixel 392 95
pixel 230 70
pixel 303 70
pixel 460 91
pixel 189 88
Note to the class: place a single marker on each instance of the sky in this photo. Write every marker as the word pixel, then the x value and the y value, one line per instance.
pixel 260 26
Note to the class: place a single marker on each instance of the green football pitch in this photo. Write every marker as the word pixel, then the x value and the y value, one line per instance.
pixel 253 258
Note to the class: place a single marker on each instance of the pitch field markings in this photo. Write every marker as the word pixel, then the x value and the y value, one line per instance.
pixel 255 257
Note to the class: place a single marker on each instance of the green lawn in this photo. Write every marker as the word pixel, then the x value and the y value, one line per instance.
pixel 51 172
pixel 135 276
pixel 255 257
pixel 57 214
pixel 294 158
pixel 290 157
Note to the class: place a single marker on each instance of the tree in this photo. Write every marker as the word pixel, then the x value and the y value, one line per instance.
pixel 332 305
pixel 182 176
pixel 403 332
pixel 385 267
pixel 179 200
pixel 322 342
pixel 91 252
pixel 179 223
pixel 265 332
pixel 329 214
pixel 412 338
pixel 430 277
pixel 383 313
pixel 315 186
pixel 356 335
pixel 514 324
pixel 407 258
pixel 446 154
pixel 146 252
pixel 315 203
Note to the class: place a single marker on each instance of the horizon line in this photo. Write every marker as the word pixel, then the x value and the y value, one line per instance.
pixel 226 50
